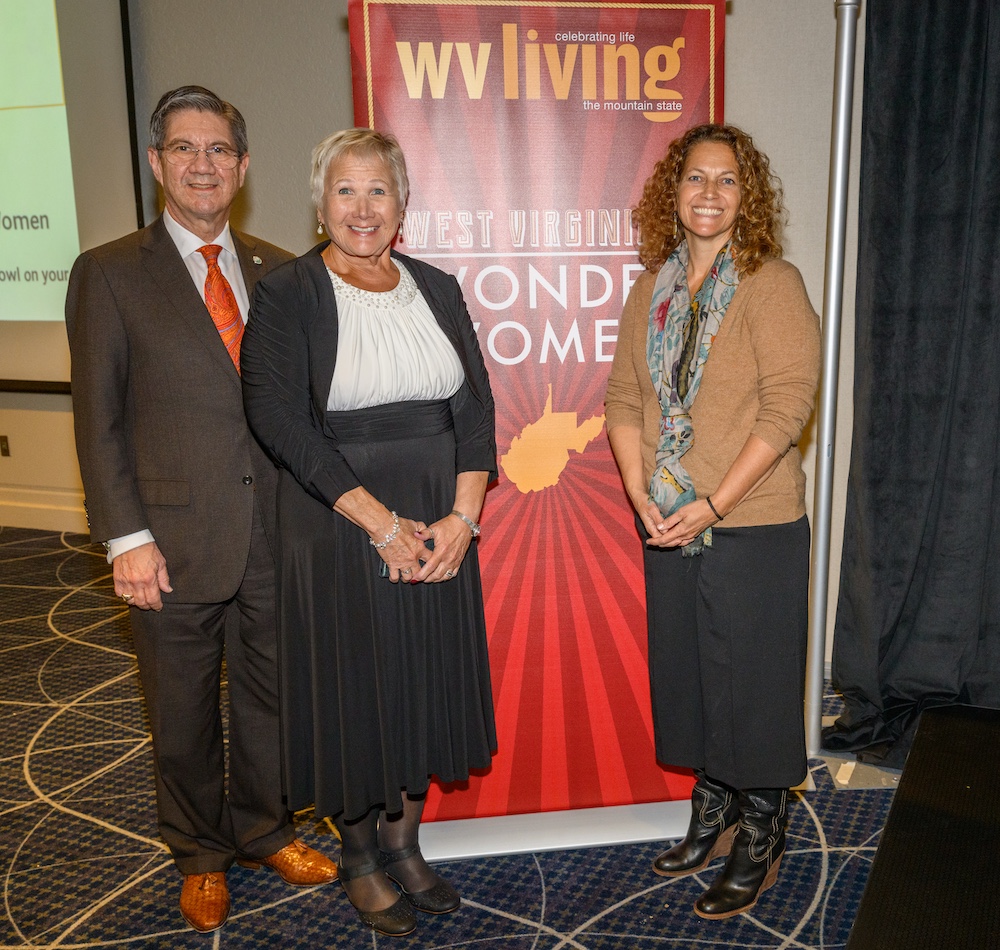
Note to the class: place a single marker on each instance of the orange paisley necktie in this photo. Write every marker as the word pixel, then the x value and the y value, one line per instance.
pixel 221 303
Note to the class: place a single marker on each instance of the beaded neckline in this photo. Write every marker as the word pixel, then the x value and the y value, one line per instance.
pixel 402 294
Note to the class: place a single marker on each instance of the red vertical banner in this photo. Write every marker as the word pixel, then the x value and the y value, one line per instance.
pixel 529 129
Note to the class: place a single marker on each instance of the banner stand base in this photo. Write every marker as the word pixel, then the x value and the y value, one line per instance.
pixel 554 830
pixel 560 830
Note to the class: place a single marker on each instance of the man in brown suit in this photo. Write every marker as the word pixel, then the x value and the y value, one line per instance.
pixel 184 497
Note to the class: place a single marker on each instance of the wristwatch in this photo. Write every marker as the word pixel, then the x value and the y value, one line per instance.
pixel 473 527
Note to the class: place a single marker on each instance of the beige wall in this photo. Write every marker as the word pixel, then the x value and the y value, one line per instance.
pixel 779 86
pixel 40 481
pixel 287 67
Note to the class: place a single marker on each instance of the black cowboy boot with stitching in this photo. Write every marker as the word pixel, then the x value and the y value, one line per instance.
pixel 753 863
pixel 714 812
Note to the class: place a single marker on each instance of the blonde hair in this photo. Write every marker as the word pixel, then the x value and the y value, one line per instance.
pixel 365 143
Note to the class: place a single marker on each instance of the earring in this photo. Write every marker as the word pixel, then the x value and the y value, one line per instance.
pixel 319 230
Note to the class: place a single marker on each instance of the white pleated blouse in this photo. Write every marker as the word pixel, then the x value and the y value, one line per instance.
pixel 389 348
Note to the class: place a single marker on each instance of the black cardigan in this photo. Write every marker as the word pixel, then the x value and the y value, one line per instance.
pixel 288 356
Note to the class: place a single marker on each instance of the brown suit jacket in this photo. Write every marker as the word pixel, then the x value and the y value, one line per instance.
pixel 160 432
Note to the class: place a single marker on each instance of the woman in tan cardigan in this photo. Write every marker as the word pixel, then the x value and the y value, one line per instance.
pixel 714 377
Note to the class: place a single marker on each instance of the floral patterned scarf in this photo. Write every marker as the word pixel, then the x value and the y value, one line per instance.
pixel 681 331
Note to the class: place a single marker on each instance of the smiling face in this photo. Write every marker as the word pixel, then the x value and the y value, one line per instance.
pixel 360 211
pixel 708 196
pixel 199 195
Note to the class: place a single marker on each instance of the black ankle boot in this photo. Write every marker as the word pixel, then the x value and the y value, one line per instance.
pixel 756 855
pixel 714 811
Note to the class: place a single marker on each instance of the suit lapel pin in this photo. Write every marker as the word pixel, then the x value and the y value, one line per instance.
pixel 257 260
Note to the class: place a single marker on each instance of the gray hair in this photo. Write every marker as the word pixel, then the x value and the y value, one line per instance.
pixel 365 143
pixel 202 100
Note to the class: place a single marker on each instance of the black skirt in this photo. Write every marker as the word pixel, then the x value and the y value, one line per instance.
pixel 382 685
pixel 727 654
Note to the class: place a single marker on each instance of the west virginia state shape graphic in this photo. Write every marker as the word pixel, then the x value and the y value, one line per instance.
pixel 538 456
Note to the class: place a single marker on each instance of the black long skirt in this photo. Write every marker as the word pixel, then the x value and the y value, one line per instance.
pixel 727 654
pixel 382 685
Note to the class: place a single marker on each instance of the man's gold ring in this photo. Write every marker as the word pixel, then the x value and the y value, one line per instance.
pixel 128 598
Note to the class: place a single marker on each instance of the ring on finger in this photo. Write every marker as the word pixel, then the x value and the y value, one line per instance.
pixel 408 570
pixel 449 573
pixel 128 598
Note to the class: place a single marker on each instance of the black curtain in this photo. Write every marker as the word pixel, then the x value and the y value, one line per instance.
pixel 918 620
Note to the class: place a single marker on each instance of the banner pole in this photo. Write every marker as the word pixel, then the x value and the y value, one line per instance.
pixel 847 12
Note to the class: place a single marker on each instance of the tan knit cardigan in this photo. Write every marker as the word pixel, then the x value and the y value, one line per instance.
pixel 760 379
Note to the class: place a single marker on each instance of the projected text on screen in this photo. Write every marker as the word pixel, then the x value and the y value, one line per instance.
pixel 38 228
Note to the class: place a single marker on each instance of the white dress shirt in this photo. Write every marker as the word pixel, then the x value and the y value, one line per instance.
pixel 188 245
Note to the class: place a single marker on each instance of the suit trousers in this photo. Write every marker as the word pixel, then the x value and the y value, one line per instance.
pixel 180 652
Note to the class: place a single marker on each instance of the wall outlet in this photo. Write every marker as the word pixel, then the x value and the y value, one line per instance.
pixel 4 445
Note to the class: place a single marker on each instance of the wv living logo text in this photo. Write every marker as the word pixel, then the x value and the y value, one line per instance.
pixel 613 73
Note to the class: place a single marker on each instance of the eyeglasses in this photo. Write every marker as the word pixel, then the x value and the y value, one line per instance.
pixel 187 154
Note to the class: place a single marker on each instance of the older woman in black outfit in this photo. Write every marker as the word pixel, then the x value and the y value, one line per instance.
pixel 364 380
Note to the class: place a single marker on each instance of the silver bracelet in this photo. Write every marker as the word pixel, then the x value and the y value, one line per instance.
pixel 390 537
pixel 473 527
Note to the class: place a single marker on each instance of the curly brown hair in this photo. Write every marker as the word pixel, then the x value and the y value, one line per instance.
pixel 758 224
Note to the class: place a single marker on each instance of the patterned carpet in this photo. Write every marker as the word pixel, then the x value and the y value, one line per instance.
pixel 81 864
